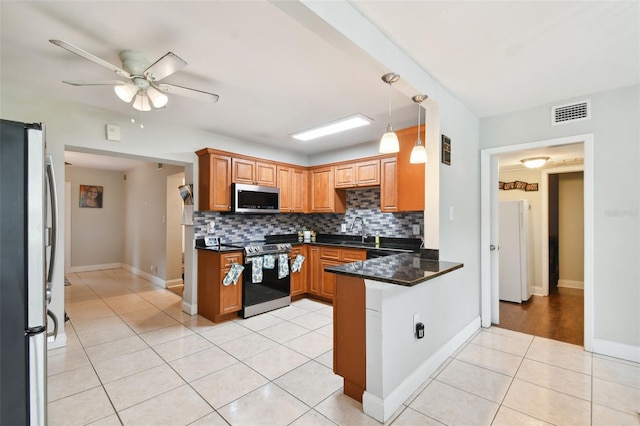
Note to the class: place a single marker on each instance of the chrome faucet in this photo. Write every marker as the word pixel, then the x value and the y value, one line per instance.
pixel 364 231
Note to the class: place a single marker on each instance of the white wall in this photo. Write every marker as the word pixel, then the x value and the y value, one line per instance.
pixel 175 238
pixel 616 130
pixel 146 218
pixel 97 235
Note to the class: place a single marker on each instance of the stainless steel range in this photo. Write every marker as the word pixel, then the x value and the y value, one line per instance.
pixel 266 282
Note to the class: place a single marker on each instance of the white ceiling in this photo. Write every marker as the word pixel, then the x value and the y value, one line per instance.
pixel 276 76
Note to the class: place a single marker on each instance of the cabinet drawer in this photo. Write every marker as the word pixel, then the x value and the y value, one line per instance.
pixel 353 255
pixel 228 259
pixel 330 253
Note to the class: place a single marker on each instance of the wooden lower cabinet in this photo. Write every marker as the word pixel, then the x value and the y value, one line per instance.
pixel 349 335
pixel 216 301
pixel 322 284
pixel 315 272
pixel 299 279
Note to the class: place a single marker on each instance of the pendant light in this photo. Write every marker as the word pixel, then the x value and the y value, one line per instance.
pixel 418 153
pixel 389 141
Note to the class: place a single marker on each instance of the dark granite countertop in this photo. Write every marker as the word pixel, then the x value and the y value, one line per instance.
pixel 406 269
pixel 200 245
pixel 400 245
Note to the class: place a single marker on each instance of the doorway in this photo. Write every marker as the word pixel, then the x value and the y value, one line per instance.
pixel 558 315
pixel 490 309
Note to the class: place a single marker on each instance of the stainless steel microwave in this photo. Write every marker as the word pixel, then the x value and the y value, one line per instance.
pixel 254 199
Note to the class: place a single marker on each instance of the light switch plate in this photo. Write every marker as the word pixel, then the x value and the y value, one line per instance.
pixel 416 229
pixel 343 227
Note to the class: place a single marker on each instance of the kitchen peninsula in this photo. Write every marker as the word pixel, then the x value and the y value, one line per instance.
pixel 376 308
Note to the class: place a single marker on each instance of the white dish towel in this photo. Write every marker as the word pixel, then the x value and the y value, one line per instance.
pixel 256 270
pixel 283 265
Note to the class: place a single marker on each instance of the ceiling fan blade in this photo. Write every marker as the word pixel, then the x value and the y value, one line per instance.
pixel 95 83
pixel 185 91
pixel 165 66
pixel 74 49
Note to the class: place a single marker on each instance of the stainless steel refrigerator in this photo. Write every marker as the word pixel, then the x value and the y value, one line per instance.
pixel 27 252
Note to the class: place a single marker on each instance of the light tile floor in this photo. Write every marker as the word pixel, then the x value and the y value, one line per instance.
pixel 133 357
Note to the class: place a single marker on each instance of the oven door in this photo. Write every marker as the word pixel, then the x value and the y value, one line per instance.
pixel 265 293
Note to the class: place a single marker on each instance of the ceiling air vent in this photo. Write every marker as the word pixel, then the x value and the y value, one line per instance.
pixel 571 112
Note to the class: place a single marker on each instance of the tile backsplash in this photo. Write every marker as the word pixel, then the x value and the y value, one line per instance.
pixel 364 203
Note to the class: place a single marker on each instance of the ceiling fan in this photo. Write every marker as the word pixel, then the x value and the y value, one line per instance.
pixel 143 87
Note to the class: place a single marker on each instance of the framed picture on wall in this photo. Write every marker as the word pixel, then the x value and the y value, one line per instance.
pixel 446 150
pixel 91 196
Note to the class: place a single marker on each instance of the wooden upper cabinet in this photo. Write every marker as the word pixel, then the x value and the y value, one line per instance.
pixel 214 181
pixel 359 174
pixel 388 185
pixel 324 197
pixel 254 172
pixel 410 177
pixel 292 182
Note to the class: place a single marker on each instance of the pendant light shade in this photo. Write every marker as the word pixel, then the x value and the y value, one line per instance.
pixel 419 152
pixel 126 92
pixel 389 141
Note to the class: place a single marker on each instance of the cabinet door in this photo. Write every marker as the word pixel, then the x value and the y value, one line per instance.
pixel 316 270
pixel 367 173
pixel 324 197
pixel 299 190
pixel 230 295
pixel 299 279
pixel 243 171
pixel 285 175
pixel 214 178
pixel 345 175
pixel 388 193
pixel 328 283
pixel 265 174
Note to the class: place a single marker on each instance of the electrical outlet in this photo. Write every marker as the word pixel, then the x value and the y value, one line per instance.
pixel 416 229
pixel 211 227
pixel 343 227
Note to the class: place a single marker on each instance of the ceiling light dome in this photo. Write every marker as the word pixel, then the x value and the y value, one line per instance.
pixel 534 162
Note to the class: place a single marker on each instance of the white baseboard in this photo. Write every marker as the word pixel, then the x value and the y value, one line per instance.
pixel 616 350
pixel 88 268
pixel 171 283
pixel 537 291
pixel 383 409
pixel 157 281
pixel 571 284
pixel 189 308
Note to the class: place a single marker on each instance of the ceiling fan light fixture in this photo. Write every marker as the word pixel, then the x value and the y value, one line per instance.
pixel 419 152
pixel 157 98
pixel 126 92
pixel 534 162
pixel 141 102
pixel 389 142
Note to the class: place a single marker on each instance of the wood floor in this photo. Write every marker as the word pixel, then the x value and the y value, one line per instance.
pixel 560 316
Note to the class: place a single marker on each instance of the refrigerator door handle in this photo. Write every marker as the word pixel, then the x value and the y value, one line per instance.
pixel 53 193
pixel 54 318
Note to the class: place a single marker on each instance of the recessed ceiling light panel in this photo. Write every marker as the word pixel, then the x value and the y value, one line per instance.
pixel 347 123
